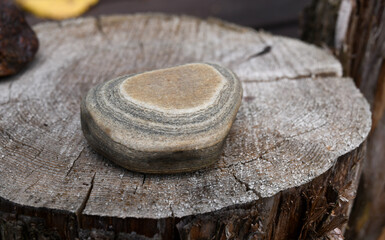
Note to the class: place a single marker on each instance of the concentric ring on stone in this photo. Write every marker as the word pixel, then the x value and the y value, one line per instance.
pixel 163 121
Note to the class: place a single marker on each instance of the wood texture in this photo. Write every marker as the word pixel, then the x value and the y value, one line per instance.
pixel 169 120
pixel 297 118
pixel 357 38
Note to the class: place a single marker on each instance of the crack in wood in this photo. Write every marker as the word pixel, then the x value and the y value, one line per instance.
pixel 247 185
pixel 31 185
pixel 73 162
pixel 10 137
pixel 298 77
pixel 144 179
pixel 172 212
pixel 29 174
pixel 136 188
pixel 264 51
pixel 261 155
pixel 99 26
pixel 80 210
pixel 305 132
pixel 278 144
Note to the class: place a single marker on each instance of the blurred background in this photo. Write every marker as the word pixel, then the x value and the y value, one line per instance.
pixel 276 16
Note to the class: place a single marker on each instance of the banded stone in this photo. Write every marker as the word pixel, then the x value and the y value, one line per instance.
pixel 163 121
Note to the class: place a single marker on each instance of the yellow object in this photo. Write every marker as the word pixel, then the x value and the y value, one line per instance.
pixel 56 9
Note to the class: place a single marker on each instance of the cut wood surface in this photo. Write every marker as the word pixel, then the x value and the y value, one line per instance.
pixel 298 116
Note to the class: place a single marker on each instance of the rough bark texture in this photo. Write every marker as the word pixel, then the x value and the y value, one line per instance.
pixel 355 31
pixel 290 164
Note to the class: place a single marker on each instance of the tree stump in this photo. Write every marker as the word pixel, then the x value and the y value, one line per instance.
pixel 290 165
pixel 355 32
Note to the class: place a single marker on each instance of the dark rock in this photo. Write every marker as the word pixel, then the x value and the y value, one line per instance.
pixel 18 42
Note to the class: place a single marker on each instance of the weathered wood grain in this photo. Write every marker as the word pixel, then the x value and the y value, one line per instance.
pixel 297 118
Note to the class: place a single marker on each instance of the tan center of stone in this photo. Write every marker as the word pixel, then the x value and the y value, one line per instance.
pixel 179 88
